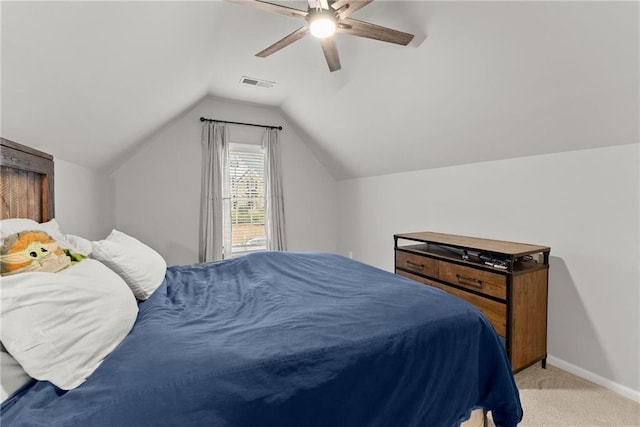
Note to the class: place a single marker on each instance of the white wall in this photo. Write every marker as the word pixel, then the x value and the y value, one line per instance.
pixel 84 200
pixel 157 190
pixel 583 204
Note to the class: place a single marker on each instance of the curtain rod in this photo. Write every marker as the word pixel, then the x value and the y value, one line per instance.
pixel 203 119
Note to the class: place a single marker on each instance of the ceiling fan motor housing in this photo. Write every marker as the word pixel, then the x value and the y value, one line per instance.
pixel 322 23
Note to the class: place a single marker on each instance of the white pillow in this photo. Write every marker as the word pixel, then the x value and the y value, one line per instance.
pixel 60 326
pixel 15 225
pixel 79 244
pixel 140 266
pixel 12 376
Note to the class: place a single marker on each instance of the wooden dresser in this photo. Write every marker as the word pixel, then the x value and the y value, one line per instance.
pixel 507 281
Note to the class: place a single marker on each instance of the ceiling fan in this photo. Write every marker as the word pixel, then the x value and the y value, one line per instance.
pixel 325 18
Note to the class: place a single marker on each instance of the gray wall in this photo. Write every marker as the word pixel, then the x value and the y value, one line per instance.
pixel 84 200
pixel 157 190
pixel 583 204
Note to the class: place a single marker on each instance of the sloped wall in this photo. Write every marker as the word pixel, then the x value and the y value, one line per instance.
pixel 583 204
pixel 157 190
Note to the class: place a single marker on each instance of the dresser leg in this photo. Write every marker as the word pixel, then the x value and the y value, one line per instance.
pixel 544 363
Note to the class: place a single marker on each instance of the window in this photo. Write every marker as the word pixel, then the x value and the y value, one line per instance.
pixel 246 231
pixel 241 185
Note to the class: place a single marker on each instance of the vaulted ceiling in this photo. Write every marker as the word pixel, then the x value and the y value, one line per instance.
pixel 480 81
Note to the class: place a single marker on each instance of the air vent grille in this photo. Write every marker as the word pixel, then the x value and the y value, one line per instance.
pixel 256 82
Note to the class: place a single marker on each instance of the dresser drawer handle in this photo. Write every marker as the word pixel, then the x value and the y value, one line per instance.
pixel 413 264
pixel 471 281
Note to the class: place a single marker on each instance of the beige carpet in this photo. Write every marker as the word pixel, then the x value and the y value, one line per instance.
pixel 552 397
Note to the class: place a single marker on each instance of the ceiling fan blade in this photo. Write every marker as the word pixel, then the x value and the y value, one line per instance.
pixel 346 8
pixel 339 4
pixel 323 4
pixel 330 50
pixel 284 42
pixel 271 7
pixel 372 31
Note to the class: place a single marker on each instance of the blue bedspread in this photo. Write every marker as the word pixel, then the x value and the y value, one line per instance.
pixel 288 339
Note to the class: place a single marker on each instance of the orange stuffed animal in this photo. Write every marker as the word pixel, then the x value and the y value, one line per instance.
pixel 31 251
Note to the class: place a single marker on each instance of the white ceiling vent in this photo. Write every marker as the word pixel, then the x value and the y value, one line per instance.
pixel 256 82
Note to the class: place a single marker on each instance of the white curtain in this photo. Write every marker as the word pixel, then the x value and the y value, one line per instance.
pixel 215 145
pixel 273 192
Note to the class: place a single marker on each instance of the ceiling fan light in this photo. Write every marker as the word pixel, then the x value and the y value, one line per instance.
pixel 322 27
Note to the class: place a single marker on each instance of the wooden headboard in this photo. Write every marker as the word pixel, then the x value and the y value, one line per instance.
pixel 26 182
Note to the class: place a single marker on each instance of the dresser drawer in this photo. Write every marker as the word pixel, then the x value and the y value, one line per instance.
pixel 494 311
pixel 478 280
pixel 417 263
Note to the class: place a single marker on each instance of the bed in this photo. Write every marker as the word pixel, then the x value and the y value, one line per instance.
pixel 278 339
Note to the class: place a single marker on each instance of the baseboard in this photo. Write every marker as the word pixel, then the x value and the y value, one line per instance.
pixel 623 390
